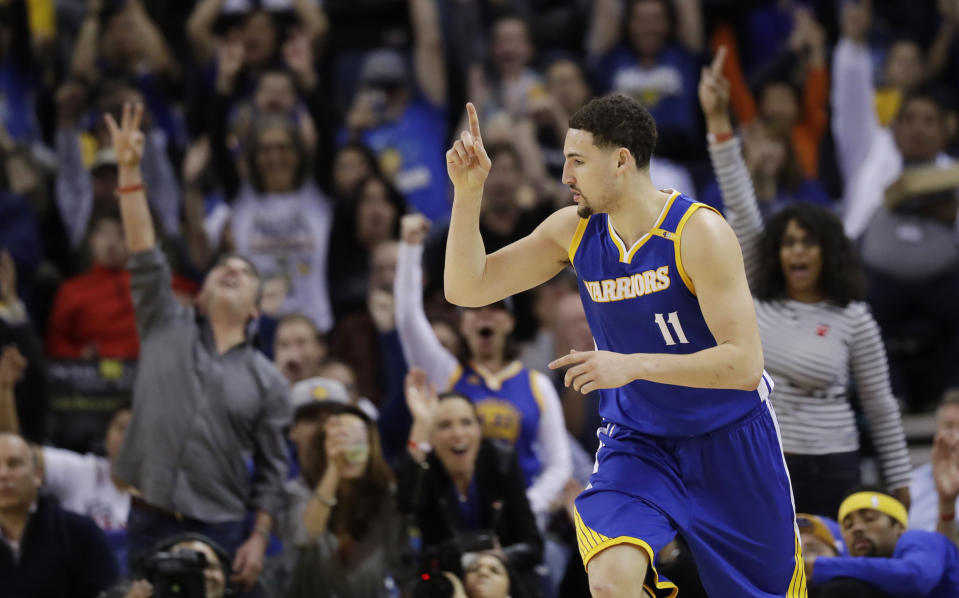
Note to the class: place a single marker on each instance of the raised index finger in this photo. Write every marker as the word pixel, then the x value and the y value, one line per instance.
pixel 717 65
pixel 474 121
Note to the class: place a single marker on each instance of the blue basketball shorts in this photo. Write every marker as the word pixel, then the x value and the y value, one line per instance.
pixel 727 492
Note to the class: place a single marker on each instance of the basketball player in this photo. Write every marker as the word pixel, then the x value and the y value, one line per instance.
pixel 690 443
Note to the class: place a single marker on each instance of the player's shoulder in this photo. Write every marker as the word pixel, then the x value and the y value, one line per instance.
pixel 562 226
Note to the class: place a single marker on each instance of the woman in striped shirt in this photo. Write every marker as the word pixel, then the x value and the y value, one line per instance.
pixel 816 331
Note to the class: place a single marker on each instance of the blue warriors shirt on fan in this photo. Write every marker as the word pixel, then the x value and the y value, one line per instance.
pixel 509 408
pixel 640 300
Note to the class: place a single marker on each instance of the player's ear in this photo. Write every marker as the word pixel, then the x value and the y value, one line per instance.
pixel 623 157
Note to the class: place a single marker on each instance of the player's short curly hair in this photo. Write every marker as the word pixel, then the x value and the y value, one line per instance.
pixel 615 121
pixel 841 278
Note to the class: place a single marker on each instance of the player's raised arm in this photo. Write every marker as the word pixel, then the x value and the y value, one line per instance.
pixel 127 141
pixel 472 278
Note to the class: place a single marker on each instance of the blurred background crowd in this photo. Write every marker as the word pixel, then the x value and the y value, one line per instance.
pixel 308 138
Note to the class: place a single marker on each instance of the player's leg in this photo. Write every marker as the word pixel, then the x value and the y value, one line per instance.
pixel 618 572
pixel 627 515
pixel 743 532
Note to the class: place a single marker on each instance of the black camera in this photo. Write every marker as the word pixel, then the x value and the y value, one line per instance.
pixel 448 557
pixel 177 574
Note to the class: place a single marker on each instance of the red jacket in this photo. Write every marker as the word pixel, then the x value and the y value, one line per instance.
pixel 94 309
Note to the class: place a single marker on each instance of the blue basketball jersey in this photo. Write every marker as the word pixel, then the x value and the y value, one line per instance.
pixel 640 300
pixel 509 408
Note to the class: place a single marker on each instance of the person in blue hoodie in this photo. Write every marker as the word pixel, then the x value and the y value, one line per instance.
pixel 885 558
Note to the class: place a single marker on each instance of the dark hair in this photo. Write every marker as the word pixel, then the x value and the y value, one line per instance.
pixel 270 122
pixel 840 280
pixel 615 121
pixel 365 151
pixel 454 394
pixel 305 319
pixel 393 196
pixel 358 501
pixel 923 93
pixel 495 150
pixel 221 260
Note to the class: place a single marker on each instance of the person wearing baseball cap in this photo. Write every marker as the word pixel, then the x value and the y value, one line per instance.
pixel 820 535
pixel 885 558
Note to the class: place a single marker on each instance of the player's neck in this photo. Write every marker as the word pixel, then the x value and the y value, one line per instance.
pixel 638 210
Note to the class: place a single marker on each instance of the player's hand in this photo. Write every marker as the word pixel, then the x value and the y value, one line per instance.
pixel 714 95
pixel 127 138
pixel 593 370
pixel 467 162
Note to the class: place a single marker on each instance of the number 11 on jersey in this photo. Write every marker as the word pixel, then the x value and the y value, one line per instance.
pixel 673 321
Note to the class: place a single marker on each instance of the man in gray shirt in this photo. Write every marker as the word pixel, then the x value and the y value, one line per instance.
pixel 205 443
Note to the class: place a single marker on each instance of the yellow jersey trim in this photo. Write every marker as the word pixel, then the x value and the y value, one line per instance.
pixel 495 381
pixel 533 375
pixel 457 374
pixel 592 543
pixel 626 256
pixel 677 238
pixel 577 237
pixel 797 585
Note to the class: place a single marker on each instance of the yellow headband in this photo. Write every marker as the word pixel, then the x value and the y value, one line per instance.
pixel 876 501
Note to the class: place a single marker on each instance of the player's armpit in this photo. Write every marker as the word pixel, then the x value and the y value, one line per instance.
pixel 519 266
pixel 713 260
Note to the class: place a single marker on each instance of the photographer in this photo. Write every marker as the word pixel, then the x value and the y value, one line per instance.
pixel 187 565
pixel 465 494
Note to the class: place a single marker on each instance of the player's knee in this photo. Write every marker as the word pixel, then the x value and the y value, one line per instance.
pixel 618 571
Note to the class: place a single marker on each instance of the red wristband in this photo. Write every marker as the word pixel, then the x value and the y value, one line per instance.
pixel 716 139
pixel 947 516
pixel 129 189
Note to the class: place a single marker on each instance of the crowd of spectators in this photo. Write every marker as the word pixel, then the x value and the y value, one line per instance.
pixel 245 202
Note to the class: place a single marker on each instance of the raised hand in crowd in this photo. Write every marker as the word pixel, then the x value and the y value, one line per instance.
pixel 414 228
pixel 12 366
pixel 422 400
pixel 8 280
pixel 808 35
pixel 229 62
pixel 71 99
pixel 714 96
pixel 945 473
pixel 299 58
pixel 855 20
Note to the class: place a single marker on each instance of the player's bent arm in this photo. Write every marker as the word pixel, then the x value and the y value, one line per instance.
pixel 474 279
pixel 714 263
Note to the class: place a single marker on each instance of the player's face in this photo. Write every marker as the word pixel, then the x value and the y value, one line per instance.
pixel 456 435
pixel 801 258
pixel 590 173
pixel 868 532
pixel 486 330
